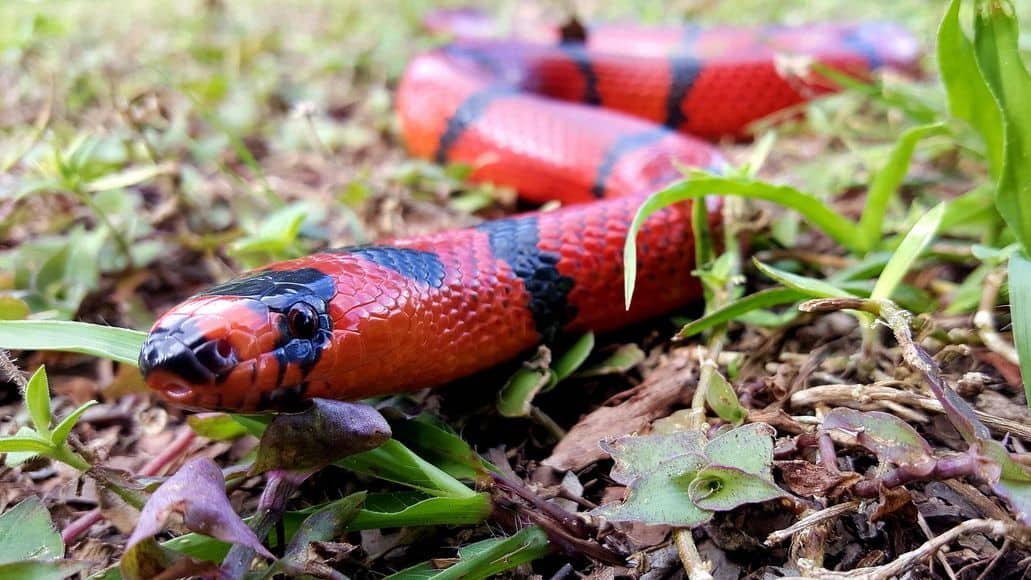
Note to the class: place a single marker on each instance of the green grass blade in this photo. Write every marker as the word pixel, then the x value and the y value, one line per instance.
pixel 815 210
pixel 737 308
pixel 808 286
pixel 118 344
pixel 996 44
pixel 65 426
pixel 37 400
pixel 886 181
pixel 1020 311
pixel 969 97
pixel 906 254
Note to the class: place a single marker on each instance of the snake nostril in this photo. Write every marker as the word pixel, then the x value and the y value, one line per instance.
pixel 216 356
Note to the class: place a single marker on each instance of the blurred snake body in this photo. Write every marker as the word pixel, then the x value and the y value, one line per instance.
pixel 596 124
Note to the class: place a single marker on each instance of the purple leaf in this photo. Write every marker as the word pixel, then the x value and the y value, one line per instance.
pixel 197 492
pixel 887 436
pixel 320 435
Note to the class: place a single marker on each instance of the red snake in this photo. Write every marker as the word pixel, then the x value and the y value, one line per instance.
pixel 598 125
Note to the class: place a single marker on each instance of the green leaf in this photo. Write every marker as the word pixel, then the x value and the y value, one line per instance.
pixel 815 210
pixel 625 357
pixel 808 286
pixel 907 253
pixel 216 426
pixel 437 443
pixel 723 488
pixel 969 96
pixel 736 308
pixel 886 181
pixel 748 448
pixel 65 426
pixel 1020 312
pixel 27 533
pixel 720 395
pixel 661 496
pixel 37 400
pixel 516 398
pixel 393 461
pixel 36 570
pixel 128 177
pixel 12 308
pixel 996 45
pixel 24 444
pixel 118 344
pixel 484 559
pixel 573 358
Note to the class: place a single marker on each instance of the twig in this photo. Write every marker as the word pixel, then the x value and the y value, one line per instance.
pixel 985 322
pixel 911 558
pixel 860 394
pixel 697 568
pixel 930 535
pixel 812 519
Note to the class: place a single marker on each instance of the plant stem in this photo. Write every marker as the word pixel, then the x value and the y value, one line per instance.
pixel 697 568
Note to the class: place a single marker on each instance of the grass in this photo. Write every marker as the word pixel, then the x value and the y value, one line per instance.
pixel 148 149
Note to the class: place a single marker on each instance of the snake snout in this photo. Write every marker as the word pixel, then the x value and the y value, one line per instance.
pixel 195 362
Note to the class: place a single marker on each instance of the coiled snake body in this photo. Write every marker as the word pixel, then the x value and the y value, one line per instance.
pixel 597 125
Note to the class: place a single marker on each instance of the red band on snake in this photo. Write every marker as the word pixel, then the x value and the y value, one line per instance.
pixel 596 125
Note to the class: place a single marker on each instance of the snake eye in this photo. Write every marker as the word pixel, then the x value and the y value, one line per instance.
pixel 302 320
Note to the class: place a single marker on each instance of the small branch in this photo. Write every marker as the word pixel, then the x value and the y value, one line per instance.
pixel 985 322
pixel 697 568
pixel 909 559
pixel 950 467
pixel 812 519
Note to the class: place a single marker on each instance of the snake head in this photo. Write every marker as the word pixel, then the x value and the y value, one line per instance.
pixel 246 344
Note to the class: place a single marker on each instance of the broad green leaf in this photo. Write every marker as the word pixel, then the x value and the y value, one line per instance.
pixel 996 45
pixel 118 344
pixel 1020 312
pixel 808 286
pixel 660 496
pixel 748 448
pixel 27 533
pixel 640 455
pixel 37 400
pixel 907 253
pixel 484 559
pixel 886 181
pixel 63 428
pixel 737 308
pixel 723 488
pixel 969 96
pixel 815 210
